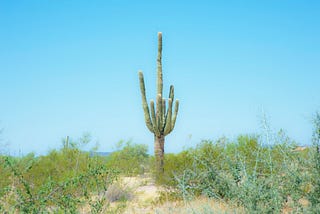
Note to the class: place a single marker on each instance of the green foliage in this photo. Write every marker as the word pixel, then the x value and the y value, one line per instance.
pixel 314 196
pixel 5 173
pixel 259 178
pixel 245 172
pixel 130 159
pixel 62 181
pixel 175 164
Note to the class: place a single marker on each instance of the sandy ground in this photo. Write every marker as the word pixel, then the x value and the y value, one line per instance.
pixel 146 194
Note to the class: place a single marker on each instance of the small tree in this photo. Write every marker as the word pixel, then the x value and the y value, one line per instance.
pixel 160 121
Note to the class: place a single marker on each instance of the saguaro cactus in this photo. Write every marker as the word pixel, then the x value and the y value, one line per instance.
pixel 160 120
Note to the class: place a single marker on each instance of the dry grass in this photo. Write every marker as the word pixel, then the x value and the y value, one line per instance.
pixel 198 205
pixel 146 197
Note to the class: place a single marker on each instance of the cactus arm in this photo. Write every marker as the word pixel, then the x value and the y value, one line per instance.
pixel 159 66
pixel 163 114
pixel 171 96
pixel 159 112
pixel 171 93
pixel 176 109
pixel 154 119
pixel 167 128
pixel 144 103
pixel 168 116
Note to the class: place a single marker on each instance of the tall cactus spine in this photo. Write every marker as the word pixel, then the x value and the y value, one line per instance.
pixel 159 119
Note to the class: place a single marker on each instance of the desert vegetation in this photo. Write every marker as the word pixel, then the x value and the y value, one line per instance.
pixel 242 175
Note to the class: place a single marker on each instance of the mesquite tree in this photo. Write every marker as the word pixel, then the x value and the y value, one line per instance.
pixel 160 120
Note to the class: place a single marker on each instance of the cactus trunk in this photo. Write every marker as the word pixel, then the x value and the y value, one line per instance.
pixel 159 154
pixel 160 120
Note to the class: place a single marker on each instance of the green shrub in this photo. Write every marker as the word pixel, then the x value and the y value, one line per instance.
pixel 314 196
pixel 4 178
pixel 130 159
pixel 174 164
pixel 261 179
pixel 61 181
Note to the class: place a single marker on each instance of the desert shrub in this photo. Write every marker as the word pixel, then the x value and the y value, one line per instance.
pixel 129 159
pixel 4 178
pixel 61 181
pixel 66 196
pixel 174 164
pixel 58 165
pixel 260 178
pixel 314 196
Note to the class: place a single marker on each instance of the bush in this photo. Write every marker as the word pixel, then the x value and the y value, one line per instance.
pixel 130 159
pixel 314 196
pixel 259 178
pixel 174 164
pixel 61 181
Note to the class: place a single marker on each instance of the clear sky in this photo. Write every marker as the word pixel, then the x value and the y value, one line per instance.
pixel 70 67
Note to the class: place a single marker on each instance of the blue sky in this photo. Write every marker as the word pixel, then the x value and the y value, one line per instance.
pixel 70 67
